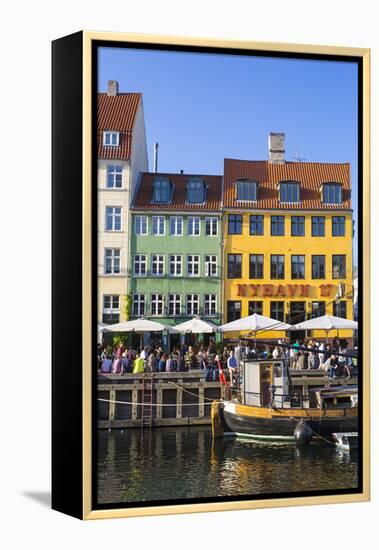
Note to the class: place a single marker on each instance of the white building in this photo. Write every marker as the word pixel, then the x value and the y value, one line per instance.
pixel 122 156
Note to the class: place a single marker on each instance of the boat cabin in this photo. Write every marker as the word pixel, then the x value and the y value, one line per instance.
pixel 334 398
pixel 269 382
pixel 264 381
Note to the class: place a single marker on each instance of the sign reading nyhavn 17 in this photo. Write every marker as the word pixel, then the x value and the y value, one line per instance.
pixel 268 290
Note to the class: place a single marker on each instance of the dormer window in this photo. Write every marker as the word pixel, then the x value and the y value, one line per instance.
pixel 162 190
pixel 111 139
pixel 196 191
pixel 247 190
pixel 289 191
pixel 332 193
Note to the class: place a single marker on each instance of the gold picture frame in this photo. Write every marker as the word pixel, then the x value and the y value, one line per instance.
pixel 84 509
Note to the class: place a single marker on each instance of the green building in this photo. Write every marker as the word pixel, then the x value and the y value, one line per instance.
pixel 175 248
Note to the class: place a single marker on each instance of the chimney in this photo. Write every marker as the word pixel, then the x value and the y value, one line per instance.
pixel 276 148
pixel 112 87
pixel 155 149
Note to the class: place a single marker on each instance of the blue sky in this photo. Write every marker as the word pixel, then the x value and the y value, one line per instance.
pixel 202 108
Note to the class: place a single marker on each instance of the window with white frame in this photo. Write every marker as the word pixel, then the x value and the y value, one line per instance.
pixel 210 304
pixel 111 308
pixel 193 265
pixel 157 304
pixel 175 265
pixel 194 226
pixel 140 265
pixel 139 304
pixel 195 191
pixel 111 139
pixel 210 266
pixel 112 261
pixel 162 190
pixel 176 226
pixel 246 190
pixel 113 218
pixel 114 176
pixel 211 226
pixel 192 304
pixel 289 191
pixel 332 193
pixel 140 225
pixel 157 264
pixel 174 304
pixel 158 225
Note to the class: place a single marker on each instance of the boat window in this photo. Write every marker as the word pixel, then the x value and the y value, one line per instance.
pixel 344 401
pixel 278 371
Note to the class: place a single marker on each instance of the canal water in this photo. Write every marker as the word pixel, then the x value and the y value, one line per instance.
pixel 184 463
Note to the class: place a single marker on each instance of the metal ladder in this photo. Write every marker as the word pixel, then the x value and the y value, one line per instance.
pixel 147 401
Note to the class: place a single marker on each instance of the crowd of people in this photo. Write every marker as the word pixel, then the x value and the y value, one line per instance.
pixel 223 366
pixel 334 358
pixel 216 367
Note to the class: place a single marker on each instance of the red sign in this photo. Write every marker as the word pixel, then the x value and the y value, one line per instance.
pixel 274 291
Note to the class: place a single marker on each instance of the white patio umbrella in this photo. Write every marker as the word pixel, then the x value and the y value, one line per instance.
pixel 101 327
pixel 140 325
pixel 255 323
pixel 196 326
pixel 327 323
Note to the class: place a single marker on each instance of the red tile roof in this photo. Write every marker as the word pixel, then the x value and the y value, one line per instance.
pixel 311 176
pixel 144 195
pixel 116 113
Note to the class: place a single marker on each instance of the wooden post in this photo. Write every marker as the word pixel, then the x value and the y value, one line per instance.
pixel 179 401
pixel 223 391
pixel 112 405
pixel 159 402
pixel 201 401
pixel 135 401
pixel 217 429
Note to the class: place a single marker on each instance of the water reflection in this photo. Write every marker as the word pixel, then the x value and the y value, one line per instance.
pixel 184 463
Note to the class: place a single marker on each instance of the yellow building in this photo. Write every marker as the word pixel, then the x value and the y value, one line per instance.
pixel 288 240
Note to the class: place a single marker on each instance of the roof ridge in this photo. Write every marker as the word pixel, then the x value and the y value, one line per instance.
pixel 179 174
pixel 287 162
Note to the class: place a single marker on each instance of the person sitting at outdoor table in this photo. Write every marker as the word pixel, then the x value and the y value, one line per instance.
pixel 189 358
pixel 300 363
pixel 276 353
pixel 117 365
pixel 127 363
pixel 144 354
pixel 313 360
pixel 329 365
pixel 106 365
pixel 151 362
pixel 169 364
pixel 180 363
pixel 138 365
pixel 200 356
pixel 212 347
pixel 209 368
pixel 119 350
pixel 231 366
pixel 225 355
pixel 162 363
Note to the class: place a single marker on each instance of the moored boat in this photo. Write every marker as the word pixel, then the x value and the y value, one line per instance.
pixel 273 404
pixel 346 441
